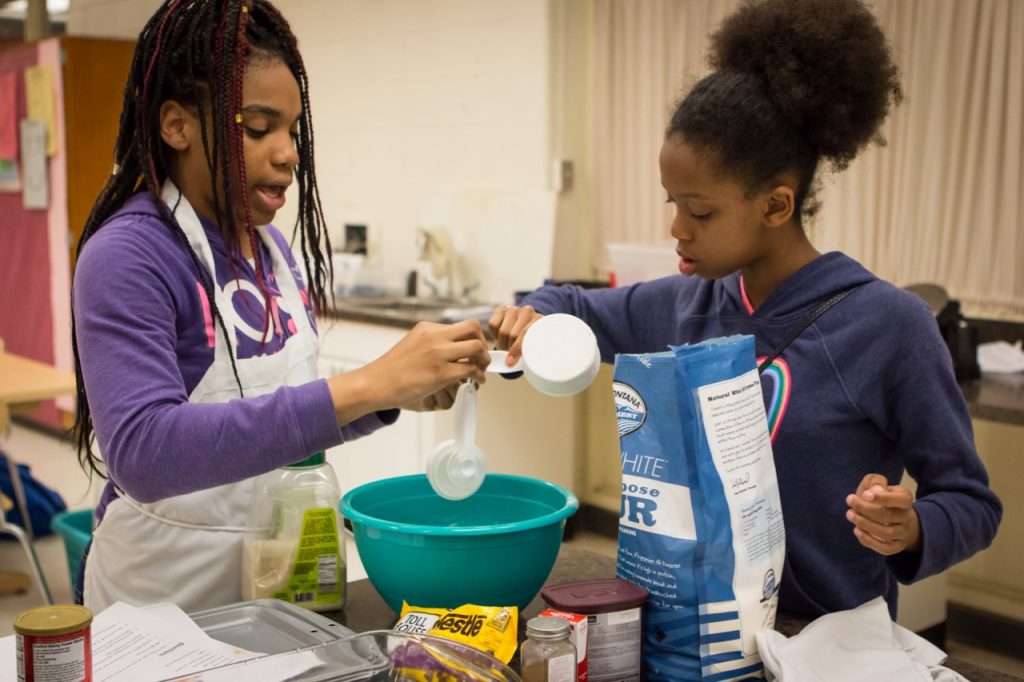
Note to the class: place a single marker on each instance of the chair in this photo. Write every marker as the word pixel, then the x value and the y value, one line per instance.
pixel 17 582
pixel 24 536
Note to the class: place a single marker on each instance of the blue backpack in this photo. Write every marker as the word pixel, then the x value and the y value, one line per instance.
pixel 43 503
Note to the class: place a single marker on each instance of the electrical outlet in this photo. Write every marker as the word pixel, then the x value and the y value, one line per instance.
pixel 356 239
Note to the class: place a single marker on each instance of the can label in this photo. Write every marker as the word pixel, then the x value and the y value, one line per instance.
pixel 56 658
pixel 614 646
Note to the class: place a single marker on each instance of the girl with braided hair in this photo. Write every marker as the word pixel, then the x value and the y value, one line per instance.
pixel 866 391
pixel 194 327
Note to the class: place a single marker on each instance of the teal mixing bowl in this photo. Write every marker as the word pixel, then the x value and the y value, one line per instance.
pixel 494 548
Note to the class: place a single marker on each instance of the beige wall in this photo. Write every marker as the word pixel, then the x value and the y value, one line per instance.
pixel 572 134
pixel 108 18
pixel 411 98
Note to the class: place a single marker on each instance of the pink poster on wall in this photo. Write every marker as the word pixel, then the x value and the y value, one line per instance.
pixel 8 115
pixel 34 278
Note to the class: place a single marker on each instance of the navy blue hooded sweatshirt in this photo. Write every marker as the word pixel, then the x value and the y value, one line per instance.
pixel 867 388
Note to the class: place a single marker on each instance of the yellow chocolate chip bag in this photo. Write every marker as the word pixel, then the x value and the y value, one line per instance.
pixel 417 620
pixel 493 629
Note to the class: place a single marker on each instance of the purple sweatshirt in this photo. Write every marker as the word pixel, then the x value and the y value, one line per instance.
pixel 145 341
pixel 869 388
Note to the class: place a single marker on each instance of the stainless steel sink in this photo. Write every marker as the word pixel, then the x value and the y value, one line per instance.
pixel 407 303
pixel 433 308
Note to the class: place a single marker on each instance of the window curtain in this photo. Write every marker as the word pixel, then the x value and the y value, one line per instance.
pixel 943 202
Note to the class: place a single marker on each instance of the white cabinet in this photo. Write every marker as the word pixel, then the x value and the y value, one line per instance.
pixel 393 450
pixel 519 430
pixel 522 431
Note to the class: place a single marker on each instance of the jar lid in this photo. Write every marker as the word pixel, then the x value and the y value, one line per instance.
pixel 56 619
pixel 314 460
pixel 547 627
pixel 595 596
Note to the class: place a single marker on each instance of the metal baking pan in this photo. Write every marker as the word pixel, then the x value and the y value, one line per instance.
pixel 368 657
pixel 269 626
pixel 330 662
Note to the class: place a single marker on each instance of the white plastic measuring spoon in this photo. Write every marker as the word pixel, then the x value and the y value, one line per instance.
pixel 456 467
pixel 498 363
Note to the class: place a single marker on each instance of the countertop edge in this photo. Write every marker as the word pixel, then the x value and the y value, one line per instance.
pixel 997 398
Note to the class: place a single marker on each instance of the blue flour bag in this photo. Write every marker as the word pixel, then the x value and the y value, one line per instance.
pixel 700 522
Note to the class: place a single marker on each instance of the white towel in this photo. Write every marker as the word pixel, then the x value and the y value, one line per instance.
pixel 859 644
pixel 1000 357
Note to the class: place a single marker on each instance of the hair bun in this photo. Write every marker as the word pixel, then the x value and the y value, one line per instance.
pixel 825 63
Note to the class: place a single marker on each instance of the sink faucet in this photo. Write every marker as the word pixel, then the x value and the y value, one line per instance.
pixel 435 248
pixel 434 291
pixel 469 289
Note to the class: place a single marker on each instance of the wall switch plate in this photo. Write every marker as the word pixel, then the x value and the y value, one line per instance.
pixel 562 173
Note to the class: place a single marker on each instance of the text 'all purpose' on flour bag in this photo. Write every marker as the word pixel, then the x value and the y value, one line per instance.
pixel 700 524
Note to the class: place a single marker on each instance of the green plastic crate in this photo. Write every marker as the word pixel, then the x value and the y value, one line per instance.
pixel 76 529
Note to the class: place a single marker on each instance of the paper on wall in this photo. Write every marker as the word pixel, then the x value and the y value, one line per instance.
pixel 35 191
pixel 39 102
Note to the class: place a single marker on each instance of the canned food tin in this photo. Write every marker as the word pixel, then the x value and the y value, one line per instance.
pixel 54 644
pixel 613 609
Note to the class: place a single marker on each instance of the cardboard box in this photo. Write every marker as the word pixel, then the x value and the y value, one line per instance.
pixel 578 637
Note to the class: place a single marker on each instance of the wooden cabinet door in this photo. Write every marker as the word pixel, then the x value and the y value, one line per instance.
pixel 95 72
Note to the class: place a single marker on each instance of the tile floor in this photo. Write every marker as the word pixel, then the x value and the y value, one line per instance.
pixel 54 463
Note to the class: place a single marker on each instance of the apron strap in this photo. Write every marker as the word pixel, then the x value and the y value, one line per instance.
pixel 181 524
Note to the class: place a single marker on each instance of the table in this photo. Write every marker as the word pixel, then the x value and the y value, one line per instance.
pixel 24 383
pixel 365 610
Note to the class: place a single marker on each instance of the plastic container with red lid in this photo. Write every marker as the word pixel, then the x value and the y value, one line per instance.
pixel 613 608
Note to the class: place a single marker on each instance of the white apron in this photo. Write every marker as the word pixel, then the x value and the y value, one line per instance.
pixel 188 549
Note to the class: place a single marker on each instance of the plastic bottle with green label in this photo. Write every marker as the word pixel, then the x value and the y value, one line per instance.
pixel 295 548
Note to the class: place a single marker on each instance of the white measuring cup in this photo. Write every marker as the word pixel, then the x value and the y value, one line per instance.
pixel 455 470
pixel 560 355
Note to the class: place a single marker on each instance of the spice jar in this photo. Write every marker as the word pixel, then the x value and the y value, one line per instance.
pixel 547 655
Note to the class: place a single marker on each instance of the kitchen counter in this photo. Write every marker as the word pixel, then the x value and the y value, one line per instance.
pixel 405 312
pixel 995 397
pixel 367 611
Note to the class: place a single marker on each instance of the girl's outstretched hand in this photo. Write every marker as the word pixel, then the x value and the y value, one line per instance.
pixel 508 325
pixel 883 516
pixel 422 371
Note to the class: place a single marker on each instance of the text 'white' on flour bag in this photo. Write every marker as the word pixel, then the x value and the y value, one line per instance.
pixel 700 524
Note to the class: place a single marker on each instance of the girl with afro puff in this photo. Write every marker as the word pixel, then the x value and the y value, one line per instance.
pixel 798 88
